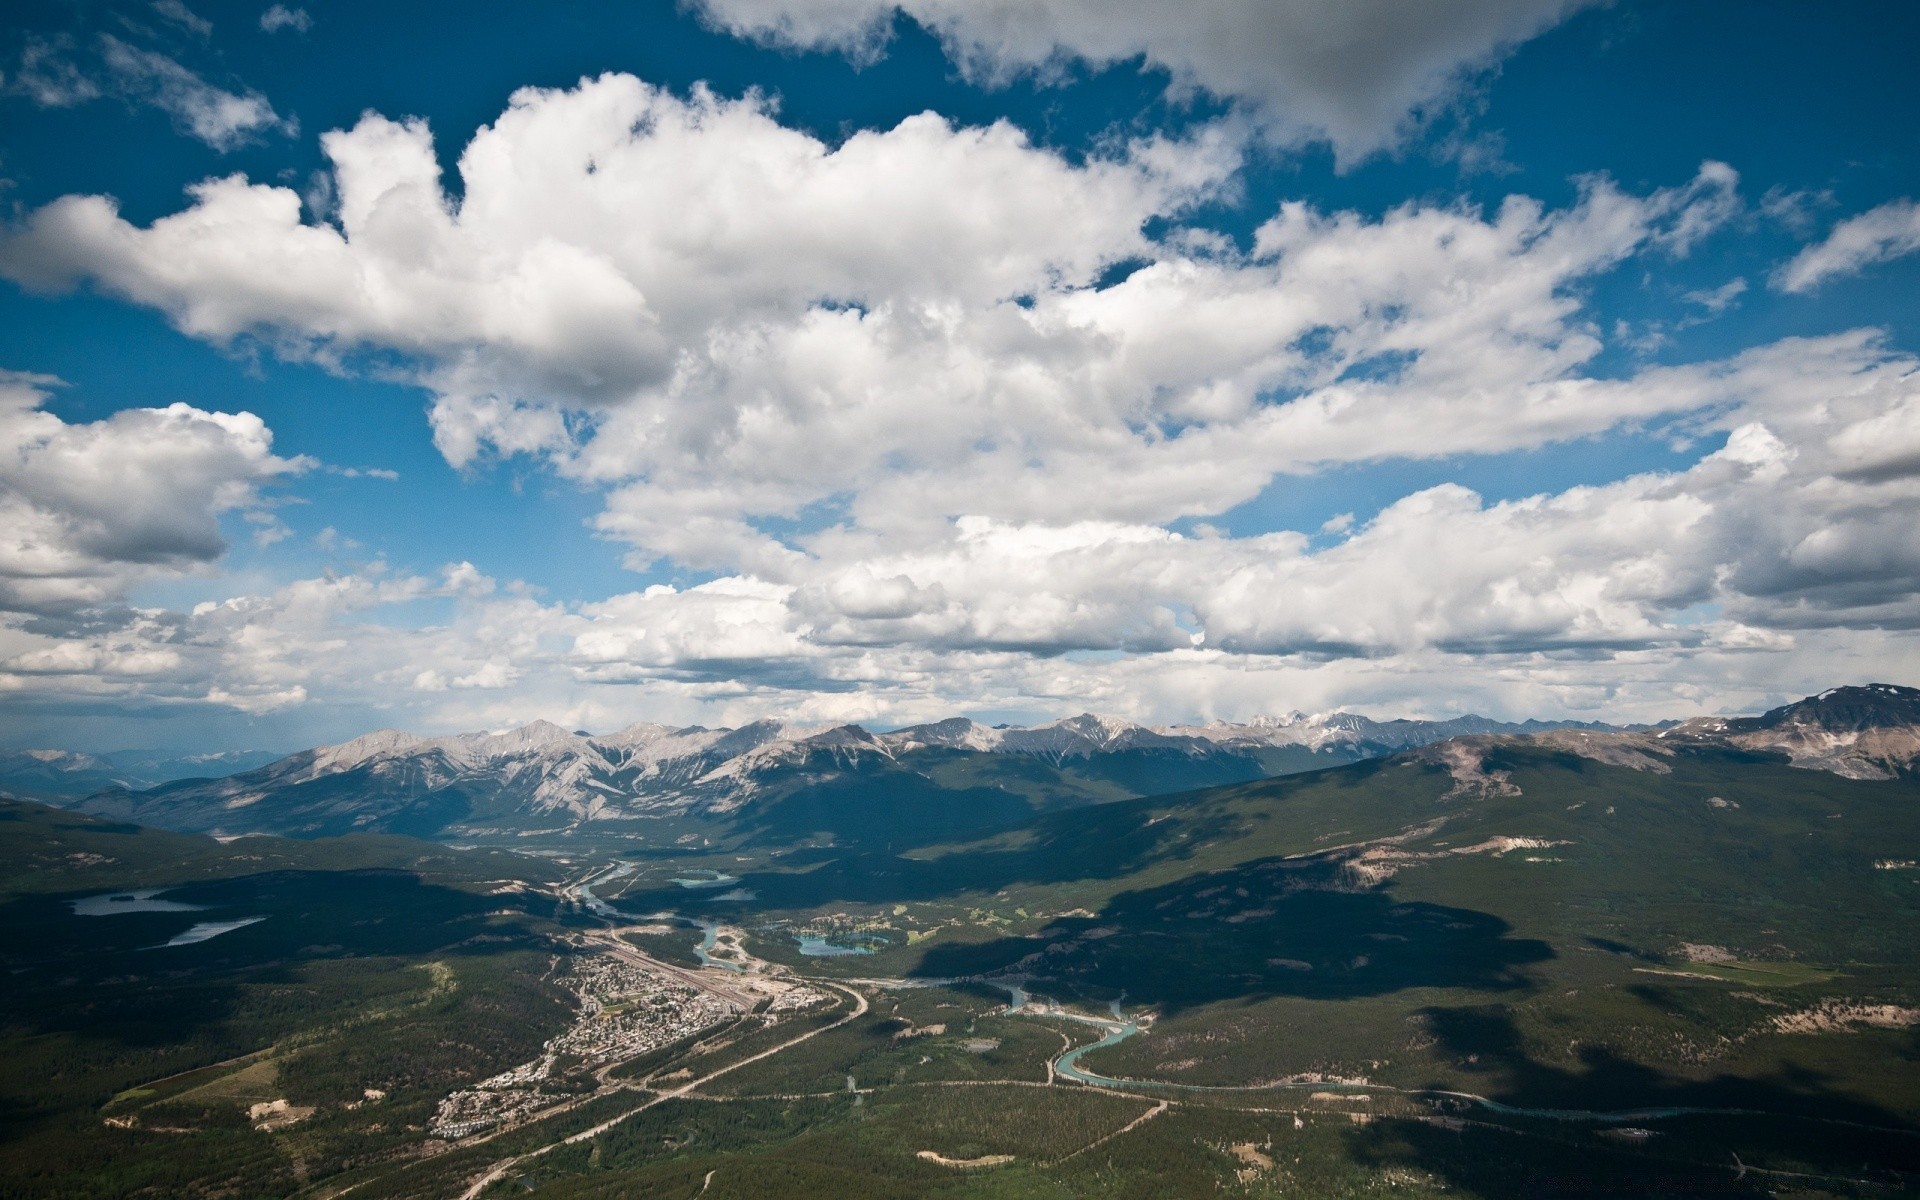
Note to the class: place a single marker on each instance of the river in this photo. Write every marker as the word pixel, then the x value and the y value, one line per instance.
pixel 710 930
pixel 1119 1027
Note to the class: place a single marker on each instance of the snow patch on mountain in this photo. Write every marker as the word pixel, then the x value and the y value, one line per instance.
pixel 542 769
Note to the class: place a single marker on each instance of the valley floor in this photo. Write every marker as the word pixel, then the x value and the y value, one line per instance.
pixel 1566 979
pixel 978 1079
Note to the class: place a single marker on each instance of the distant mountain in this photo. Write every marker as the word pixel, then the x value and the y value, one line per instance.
pixel 50 774
pixel 66 774
pixel 950 777
pixel 544 776
pixel 1870 732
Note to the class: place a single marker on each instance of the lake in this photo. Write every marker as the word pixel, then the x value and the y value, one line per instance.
pixel 206 931
pixel 109 904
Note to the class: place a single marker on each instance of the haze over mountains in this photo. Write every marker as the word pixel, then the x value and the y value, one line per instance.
pixel 542 776
pixel 50 774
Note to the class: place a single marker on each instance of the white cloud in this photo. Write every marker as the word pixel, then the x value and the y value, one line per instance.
pixel 47 75
pixel 349 645
pixel 177 12
pixel 1797 523
pixel 90 508
pixel 281 17
pixel 1875 236
pixel 1780 561
pixel 1715 301
pixel 909 350
pixel 1783 561
pixel 724 319
pixel 221 119
pixel 1356 74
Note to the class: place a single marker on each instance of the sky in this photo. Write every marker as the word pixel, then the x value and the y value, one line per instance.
pixel 448 366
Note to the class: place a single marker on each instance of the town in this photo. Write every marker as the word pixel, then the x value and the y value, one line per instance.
pixel 625 1011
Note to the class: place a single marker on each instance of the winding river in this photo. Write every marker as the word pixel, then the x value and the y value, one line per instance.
pixel 1118 1027
pixel 709 929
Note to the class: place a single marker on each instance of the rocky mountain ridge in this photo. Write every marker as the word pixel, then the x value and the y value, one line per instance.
pixel 53 774
pixel 542 772
pixel 543 775
pixel 1871 732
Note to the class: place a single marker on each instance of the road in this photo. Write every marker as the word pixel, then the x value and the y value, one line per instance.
pixel 732 987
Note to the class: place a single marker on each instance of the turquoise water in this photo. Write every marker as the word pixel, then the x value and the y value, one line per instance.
pixel 706 879
pixel 710 930
pixel 1066 1067
pixel 109 904
pixel 206 931
pixel 819 947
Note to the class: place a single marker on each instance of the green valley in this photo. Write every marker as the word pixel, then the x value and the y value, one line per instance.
pixel 1488 966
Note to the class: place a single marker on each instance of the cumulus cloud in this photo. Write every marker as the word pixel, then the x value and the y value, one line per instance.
pixel 672 213
pixel 220 118
pixel 354 644
pixel 1795 523
pixel 90 508
pixel 317 640
pixel 1875 236
pixel 931 403
pixel 724 319
pixel 1355 74
pixel 1781 560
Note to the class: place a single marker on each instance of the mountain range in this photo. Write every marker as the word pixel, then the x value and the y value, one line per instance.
pixel 53 774
pixel 844 780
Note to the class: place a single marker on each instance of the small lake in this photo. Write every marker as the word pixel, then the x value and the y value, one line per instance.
pixel 706 879
pixel 109 904
pixel 819 947
pixel 206 931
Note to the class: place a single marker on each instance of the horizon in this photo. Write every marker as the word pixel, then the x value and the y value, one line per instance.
pixel 814 728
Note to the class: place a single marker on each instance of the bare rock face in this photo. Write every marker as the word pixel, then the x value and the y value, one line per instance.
pixel 544 777
pixel 1465 759
pixel 1870 732
pixel 1635 751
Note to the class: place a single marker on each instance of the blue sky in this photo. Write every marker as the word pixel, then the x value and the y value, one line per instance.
pixel 859 385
